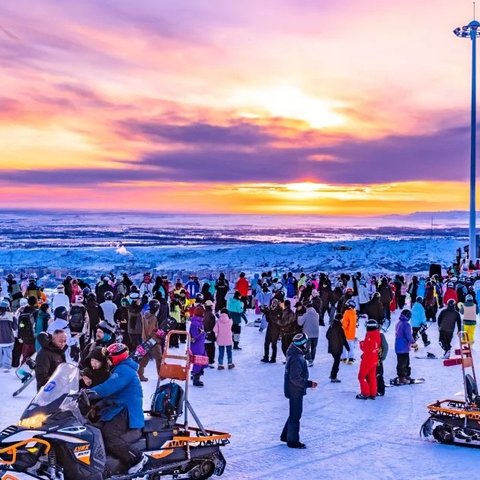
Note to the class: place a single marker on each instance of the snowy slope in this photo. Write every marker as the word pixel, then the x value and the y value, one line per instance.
pixel 368 255
pixel 346 438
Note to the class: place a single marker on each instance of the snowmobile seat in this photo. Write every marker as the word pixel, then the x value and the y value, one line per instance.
pixel 157 431
pixel 472 388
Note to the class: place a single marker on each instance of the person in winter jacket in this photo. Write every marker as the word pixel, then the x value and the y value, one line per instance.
pixel 295 386
pixel 450 293
pixel 50 356
pixel 60 299
pixel 274 319
pixel 317 305
pixel 309 322
pixel 41 324
pixel 104 337
pixel 419 321
pixel 382 355
pixel 363 295
pixel 223 333
pixel 374 309
pixel 263 299
pixel 291 285
pixel 336 343
pixel 109 308
pixel 122 410
pixel 349 323
pixel 235 310
pixel 197 347
pixel 134 326
pixel 386 296
pixel 221 289
pixel 367 374
pixel 103 287
pixel 209 321
pixel 448 319
pixel 14 291
pixel 242 286
pixel 96 370
pixel 288 326
pixel 149 327
pixel 95 313
pixel 26 317
pixel 403 341
pixel 430 302
pixel 8 326
pixel 469 310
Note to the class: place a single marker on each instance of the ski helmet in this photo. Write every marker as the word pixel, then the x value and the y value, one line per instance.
pixel 450 285
pixel 351 304
pixel 419 299
pixel 86 291
pixel 451 303
pixel 469 298
pixel 61 312
pixel 124 302
pixel 117 352
pixel 199 298
pixel 106 327
pixel 108 296
pixel 406 313
pixel 4 305
pixel 371 324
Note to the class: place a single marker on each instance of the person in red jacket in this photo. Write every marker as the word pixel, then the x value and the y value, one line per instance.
pixel 450 293
pixel 367 375
pixel 242 286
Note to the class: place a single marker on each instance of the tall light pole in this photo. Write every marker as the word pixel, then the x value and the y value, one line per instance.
pixel 472 31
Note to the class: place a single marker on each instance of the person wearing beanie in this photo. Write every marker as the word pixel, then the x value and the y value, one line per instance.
pixel 104 337
pixel 336 343
pixel 295 386
pixel 96 370
pixel 367 374
pixel 403 341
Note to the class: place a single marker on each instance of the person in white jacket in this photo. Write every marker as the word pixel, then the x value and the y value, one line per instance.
pixel 109 309
pixel 60 299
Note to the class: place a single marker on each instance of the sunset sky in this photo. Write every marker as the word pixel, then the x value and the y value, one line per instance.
pixel 341 107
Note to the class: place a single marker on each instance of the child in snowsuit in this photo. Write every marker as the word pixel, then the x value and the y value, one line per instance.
pixel 367 375
pixel 349 324
pixel 223 333
pixel 419 321
pixel 336 342
pixel 403 341
pixel 197 347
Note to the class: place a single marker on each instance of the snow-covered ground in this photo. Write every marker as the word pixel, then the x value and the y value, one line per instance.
pixel 346 438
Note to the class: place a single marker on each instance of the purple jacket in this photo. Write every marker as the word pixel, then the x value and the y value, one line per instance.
pixel 403 335
pixel 197 346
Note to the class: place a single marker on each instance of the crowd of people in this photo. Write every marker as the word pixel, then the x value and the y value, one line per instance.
pixel 99 325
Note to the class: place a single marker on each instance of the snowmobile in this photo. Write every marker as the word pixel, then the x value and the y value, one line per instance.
pixel 457 421
pixel 54 441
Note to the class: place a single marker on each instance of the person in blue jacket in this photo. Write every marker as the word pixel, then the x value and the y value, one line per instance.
pixel 121 408
pixel 295 387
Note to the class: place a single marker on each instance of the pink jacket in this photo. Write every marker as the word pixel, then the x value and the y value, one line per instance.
pixel 223 330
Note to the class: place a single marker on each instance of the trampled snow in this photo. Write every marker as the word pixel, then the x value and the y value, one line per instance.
pixel 345 437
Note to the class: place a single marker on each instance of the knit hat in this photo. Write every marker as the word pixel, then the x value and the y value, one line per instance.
pixel 208 303
pixel 98 353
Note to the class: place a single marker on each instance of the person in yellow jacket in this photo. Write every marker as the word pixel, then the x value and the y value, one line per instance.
pixel 349 324
pixel 469 310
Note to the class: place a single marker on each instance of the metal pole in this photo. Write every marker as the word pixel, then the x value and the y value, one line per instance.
pixel 472 252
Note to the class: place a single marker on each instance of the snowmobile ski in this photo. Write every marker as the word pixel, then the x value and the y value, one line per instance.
pixel 413 381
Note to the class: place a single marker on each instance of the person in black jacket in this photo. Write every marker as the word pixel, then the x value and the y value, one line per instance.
pixel 209 321
pixel 288 326
pixel 96 369
pixel 104 336
pixel 447 320
pixel 221 288
pixel 374 309
pixel 50 356
pixel 336 341
pixel 295 387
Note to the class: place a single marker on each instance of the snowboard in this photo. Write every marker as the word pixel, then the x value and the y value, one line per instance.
pixel 143 349
pixel 413 381
pixel 26 374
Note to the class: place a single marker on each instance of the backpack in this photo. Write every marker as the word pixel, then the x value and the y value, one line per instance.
pixel 167 400
pixel 25 327
pixel 77 318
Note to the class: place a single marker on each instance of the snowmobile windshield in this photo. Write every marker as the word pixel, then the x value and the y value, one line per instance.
pixel 50 397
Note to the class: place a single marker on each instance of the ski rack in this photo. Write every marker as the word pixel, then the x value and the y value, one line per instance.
pixel 177 367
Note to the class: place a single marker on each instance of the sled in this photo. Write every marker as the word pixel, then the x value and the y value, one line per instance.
pixel 457 422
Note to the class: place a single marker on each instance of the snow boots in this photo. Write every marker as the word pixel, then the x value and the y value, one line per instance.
pixel 196 381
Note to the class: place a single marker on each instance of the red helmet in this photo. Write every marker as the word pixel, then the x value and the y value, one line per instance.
pixel 117 352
